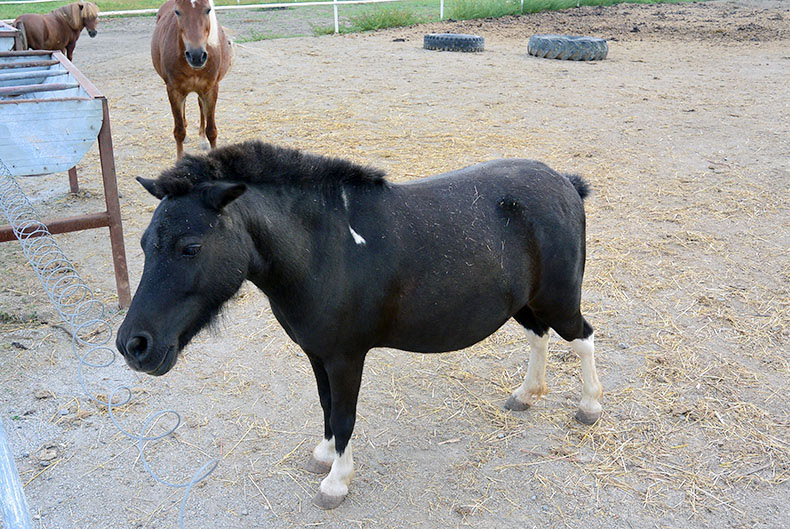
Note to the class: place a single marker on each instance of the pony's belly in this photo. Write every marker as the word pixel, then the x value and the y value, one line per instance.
pixel 442 337
pixel 439 328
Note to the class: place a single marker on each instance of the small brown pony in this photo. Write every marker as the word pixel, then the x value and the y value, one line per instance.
pixel 58 29
pixel 191 54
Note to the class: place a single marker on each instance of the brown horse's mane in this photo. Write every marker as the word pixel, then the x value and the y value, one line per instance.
pixel 256 162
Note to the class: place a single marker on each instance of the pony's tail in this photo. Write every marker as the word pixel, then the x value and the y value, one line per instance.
pixel 582 187
pixel 21 27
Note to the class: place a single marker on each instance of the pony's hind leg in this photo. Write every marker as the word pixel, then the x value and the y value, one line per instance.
pixel 590 407
pixel 534 386
pixel 579 333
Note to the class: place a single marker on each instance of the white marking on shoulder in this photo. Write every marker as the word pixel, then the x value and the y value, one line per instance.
pixel 213 32
pixel 359 239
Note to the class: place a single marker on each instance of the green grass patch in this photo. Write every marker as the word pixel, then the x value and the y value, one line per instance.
pixel 378 17
pixel 360 17
pixel 472 9
pixel 14 10
pixel 384 17
pixel 255 36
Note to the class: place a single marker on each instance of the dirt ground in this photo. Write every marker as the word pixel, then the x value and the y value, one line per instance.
pixel 683 133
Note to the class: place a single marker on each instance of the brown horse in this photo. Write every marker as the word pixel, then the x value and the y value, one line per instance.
pixel 191 54
pixel 58 29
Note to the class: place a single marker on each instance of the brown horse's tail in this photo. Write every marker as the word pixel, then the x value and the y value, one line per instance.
pixel 21 27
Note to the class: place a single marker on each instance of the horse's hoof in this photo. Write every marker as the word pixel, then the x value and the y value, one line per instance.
pixel 205 145
pixel 327 502
pixel 514 404
pixel 586 417
pixel 317 467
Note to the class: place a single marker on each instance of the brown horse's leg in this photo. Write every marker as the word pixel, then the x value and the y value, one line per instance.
pixel 209 100
pixel 179 128
pixel 203 141
pixel 70 49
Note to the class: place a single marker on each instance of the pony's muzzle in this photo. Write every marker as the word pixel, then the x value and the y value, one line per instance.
pixel 196 57
pixel 92 33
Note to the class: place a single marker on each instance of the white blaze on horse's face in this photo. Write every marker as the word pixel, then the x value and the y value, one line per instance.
pixel 198 28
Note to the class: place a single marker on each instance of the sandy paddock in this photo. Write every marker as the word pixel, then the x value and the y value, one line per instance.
pixel 682 132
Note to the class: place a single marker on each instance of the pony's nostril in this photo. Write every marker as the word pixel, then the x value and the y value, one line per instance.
pixel 137 346
pixel 203 57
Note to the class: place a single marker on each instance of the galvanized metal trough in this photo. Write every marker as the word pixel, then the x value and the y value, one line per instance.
pixel 50 116
pixel 10 37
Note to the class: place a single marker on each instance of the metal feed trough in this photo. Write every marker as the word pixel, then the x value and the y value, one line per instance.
pixel 50 115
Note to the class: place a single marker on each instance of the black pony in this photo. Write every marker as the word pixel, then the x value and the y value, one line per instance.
pixel 350 262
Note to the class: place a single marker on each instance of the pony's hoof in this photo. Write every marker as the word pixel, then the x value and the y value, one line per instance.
pixel 317 467
pixel 205 145
pixel 514 404
pixel 327 502
pixel 586 417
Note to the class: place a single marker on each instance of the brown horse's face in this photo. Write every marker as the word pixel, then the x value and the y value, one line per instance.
pixel 90 20
pixel 198 28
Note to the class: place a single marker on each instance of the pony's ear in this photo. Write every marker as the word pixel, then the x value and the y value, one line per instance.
pixel 220 194
pixel 152 186
pixel 74 16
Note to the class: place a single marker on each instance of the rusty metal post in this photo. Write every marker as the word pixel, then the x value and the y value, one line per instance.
pixel 113 209
pixel 73 184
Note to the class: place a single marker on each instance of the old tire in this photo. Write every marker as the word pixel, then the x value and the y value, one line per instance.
pixel 453 42
pixel 568 47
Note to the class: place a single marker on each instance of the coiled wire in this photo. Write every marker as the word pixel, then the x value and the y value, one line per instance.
pixel 85 316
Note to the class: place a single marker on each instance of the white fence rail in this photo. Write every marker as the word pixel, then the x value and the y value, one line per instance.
pixel 334 3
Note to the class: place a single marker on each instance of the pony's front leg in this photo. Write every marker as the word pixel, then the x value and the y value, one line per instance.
pixel 208 105
pixel 324 453
pixel 177 108
pixel 204 144
pixel 345 377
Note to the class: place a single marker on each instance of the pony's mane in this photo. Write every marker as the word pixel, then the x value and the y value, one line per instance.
pixel 89 10
pixel 254 162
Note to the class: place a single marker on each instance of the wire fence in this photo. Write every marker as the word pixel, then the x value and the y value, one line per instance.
pixel 92 334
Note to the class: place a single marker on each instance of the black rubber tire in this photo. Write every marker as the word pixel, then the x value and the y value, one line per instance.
pixel 453 42
pixel 568 47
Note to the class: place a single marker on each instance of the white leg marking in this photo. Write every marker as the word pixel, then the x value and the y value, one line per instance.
pixel 534 386
pixel 359 239
pixel 592 390
pixel 345 199
pixel 213 31
pixel 325 451
pixel 336 483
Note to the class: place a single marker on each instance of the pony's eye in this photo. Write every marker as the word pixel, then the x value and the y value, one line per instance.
pixel 178 13
pixel 191 250
pixel 208 10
